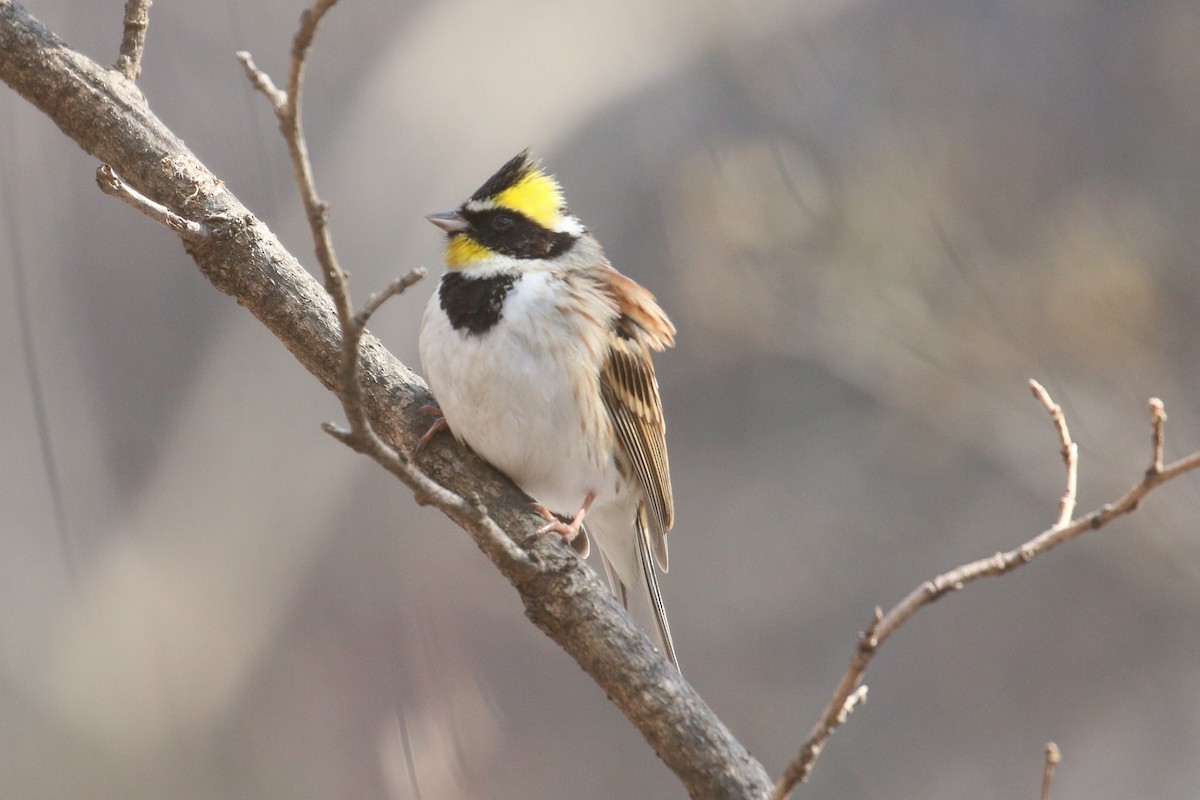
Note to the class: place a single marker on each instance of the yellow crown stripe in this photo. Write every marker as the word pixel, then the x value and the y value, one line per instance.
pixel 536 195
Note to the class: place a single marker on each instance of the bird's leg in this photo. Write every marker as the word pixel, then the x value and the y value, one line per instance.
pixel 437 427
pixel 567 530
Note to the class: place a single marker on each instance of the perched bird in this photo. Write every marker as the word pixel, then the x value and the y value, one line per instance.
pixel 538 352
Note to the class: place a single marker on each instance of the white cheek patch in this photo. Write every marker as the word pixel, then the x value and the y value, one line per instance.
pixel 571 225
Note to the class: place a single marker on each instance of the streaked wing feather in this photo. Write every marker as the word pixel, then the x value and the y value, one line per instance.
pixel 630 393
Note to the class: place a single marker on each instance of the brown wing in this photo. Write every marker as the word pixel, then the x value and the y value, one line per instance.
pixel 639 312
pixel 630 392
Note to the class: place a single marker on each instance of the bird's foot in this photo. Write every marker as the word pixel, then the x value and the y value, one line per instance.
pixel 437 427
pixel 567 530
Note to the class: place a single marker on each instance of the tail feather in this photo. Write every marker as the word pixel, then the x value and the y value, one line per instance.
pixel 650 579
pixel 625 569
pixel 614 580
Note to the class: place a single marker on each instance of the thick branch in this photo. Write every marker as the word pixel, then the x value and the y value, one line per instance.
pixel 104 114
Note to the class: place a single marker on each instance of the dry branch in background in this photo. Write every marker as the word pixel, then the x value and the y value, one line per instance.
pixel 1070 453
pixel 884 625
pixel 104 113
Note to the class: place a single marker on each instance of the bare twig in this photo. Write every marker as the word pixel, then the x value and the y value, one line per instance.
pixel 1158 420
pixel 263 83
pixel 801 767
pixel 884 625
pixel 1053 756
pixel 133 40
pixel 111 183
pixel 361 436
pixel 377 299
pixel 1070 453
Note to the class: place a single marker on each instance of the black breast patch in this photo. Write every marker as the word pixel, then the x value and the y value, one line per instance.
pixel 474 304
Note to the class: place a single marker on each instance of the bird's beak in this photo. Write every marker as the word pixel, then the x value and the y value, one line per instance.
pixel 450 221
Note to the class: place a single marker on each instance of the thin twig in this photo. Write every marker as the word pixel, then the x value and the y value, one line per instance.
pixel 111 183
pixel 1158 418
pixel 803 763
pixel 1070 453
pixel 262 82
pixel 1053 756
pixel 884 625
pixel 393 289
pixel 361 436
pixel 133 40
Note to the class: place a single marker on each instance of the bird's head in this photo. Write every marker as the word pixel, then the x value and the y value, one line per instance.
pixel 518 213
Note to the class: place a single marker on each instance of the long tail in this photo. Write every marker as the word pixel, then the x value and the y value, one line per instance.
pixel 650 580
pixel 647 575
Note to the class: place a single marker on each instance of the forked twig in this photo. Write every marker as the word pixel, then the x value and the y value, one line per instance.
pixel 361 436
pixel 884 625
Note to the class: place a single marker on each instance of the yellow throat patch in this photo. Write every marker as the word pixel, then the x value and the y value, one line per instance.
pixel 463 251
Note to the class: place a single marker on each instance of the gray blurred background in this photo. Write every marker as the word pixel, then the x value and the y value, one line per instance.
pixel 872 223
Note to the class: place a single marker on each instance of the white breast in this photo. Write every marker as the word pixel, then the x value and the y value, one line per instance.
pixel 524 395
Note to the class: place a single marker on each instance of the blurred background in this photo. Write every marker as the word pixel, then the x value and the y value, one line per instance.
pixel 873 222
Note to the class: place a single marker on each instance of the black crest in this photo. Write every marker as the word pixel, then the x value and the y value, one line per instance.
pixel 516 168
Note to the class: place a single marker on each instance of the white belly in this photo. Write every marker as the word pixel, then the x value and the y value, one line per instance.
pixel 510 393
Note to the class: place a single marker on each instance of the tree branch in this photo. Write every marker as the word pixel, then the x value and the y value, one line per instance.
pixel 111 184
pixel 263 83
pixel 106 116
pixel 133 41
pixel 1070 453
pixel 884 625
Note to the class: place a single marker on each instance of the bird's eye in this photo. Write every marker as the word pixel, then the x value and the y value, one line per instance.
pixel 503 222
